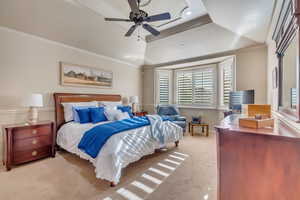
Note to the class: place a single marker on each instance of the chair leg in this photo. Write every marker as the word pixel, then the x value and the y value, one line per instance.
pixel 207 131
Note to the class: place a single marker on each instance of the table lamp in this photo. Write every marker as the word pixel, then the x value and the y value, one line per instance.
pixel 33 101
pixel 134 100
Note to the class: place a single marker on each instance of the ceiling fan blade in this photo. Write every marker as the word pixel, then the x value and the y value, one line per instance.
pixel 131 30
pixel 117 19
pixel 159 17
pixel 152 30
pixel 134 6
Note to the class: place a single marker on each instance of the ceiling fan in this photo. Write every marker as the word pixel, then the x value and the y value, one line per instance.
pixel 139 17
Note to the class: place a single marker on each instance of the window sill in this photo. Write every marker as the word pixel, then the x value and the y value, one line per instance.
pixel 203 108
pixel 198 107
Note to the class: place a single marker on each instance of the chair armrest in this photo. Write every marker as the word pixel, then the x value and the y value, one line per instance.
pixel 180 118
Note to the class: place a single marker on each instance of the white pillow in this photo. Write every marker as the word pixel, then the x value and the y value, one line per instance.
pixel 110 104
pixel 111 114
pixel 122 115
pixel 68 108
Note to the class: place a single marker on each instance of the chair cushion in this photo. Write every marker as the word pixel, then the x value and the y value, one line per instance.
pixel 182 124
pixel 180 118
pixel 167 110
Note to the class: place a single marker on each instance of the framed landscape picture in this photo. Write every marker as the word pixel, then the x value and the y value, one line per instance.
pixel 79 75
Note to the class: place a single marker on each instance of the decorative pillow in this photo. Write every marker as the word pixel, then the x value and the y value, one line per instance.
pixel 75 113
pixel 111 114
pixel 97 115
pixel 122 115
pixel 68 108
pixel 84 115
pixel 126 109
pixel 110 104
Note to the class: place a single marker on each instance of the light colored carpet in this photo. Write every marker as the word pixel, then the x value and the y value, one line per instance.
pixel 68 177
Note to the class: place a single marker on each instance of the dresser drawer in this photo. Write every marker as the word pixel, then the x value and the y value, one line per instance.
pixel 28 132
pixel 32 143
pixel 30 155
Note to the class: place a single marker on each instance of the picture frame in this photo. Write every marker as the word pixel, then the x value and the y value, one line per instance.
pixel 84 76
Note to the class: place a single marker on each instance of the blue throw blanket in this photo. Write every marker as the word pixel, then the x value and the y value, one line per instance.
pixel 157 127
pixel 94 139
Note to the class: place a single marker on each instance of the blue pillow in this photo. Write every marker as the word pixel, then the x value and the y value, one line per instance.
pixel 126 109
pixel 75 113
pixel 97 115
pixel 84 115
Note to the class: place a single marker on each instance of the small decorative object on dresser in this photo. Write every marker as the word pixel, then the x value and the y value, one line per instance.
pixel 140 114
pixel 28 142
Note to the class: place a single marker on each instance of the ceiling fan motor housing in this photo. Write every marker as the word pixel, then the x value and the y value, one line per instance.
pixel 138 17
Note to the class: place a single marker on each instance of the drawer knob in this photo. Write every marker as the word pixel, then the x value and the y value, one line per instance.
pixel 34 153
pixel 34 141
pixel 34 132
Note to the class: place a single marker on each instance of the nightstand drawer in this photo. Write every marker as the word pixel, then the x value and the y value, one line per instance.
pixel 32 143
pixel 28 132
pixel 30 155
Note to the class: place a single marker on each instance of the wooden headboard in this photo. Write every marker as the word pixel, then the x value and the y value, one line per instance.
pixel 60 98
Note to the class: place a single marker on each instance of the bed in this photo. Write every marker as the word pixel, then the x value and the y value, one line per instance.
pixel 120 149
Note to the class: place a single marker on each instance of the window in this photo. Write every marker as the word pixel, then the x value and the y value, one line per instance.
pixel 163 87
pixel 196 87
pixel 206 87
pixel 226 69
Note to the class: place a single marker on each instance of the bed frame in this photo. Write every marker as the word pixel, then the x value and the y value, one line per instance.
pixel 60 98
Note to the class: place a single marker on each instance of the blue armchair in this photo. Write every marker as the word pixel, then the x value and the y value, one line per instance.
pixel 172 112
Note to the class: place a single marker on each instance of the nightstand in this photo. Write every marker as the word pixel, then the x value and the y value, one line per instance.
pixel 28 142
pixel 140 114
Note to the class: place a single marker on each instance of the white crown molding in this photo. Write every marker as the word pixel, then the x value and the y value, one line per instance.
pixel 68 46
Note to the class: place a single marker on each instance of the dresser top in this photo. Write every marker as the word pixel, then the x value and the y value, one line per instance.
pixel 231 123
pixel 25 124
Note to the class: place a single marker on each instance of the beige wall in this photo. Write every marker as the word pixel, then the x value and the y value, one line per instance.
pixel 29 64
pixel 251 73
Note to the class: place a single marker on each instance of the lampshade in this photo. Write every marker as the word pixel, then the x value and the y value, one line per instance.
pixel 33 100
pixel 134 99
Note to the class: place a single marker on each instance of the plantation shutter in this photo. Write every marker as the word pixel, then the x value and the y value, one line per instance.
pixel 227 83
pixel 196 87
pixel 185 88
pixel 203 87
pixel 164 87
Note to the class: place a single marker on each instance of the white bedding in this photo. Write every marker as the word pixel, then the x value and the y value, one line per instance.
pixel 120 150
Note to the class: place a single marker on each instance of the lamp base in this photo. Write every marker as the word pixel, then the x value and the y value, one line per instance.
pixel 135 108
pixel 33 115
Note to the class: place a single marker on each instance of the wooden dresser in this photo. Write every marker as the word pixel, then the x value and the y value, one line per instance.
pixel 260 164
pixel 24 143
